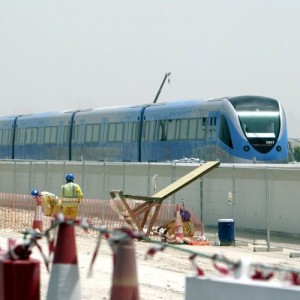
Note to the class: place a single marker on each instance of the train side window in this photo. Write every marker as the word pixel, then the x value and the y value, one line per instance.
pixel 5 137
pixel 162 130
pixel 66 134
pixel 96 131
pixel 111 132
pixel 192 129
pixel 17 136
pixel 213 122
pixel 9 137
pixel 1 137
pixel 28 136
pixel 183 129
pixel 92 133
pixel 127 132
pixel 224 132
pixel 148 131
pixel 152 126
pixel 81 132
pixel 145 131
pixel 50 135
pixel 119 132
pixel 40 135
pixel 130 132
pixel 47 135
pixel 103 132
pixel 135 132
pixel 201 129
pixel 31 135
pixel 20 136
pixel 75 134
pixel 53 135
pixel 34 135
pixel 171 134
pixel 88 133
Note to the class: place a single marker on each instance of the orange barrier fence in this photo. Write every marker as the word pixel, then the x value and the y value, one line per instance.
pixel 17 212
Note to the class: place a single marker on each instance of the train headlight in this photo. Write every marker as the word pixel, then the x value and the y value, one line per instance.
pixel 246 148
pixel 278 148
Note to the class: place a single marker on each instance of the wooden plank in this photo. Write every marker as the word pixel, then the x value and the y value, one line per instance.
pixel 157 199
pixel 185 180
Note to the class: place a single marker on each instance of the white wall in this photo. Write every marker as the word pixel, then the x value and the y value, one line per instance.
pixel 264 196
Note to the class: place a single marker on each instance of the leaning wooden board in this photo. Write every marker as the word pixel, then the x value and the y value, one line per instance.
pixel 185 180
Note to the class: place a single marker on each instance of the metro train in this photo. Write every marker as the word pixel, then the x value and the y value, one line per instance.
pixel 240 129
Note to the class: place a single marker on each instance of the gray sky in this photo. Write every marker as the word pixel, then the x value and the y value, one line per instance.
pixel 70 54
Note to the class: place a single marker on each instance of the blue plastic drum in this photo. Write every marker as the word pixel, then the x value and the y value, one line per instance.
pixel 226 232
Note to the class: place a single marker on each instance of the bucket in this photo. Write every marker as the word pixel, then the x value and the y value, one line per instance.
pixel 226 232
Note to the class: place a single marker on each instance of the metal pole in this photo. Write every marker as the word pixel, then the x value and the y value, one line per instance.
pixel 233 200
pixel 201 201
pixel 161 86
pixel 124 176
pixel 173 179
pixel 83 176
pixel 46 176
pixel 30 175
pixel 15 171
pixel 104 177
pixel 233 192
pixel 149 181
pixel 267 208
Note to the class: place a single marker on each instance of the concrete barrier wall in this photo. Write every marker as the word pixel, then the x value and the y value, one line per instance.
pixel 227 288
pixel 264 196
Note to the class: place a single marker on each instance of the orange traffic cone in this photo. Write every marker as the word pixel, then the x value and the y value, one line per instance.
pixel 178 224
pixel 64 278
pixel 38 215
pixel 125 284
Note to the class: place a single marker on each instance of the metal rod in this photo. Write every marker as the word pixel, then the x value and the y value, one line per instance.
pixel 161 86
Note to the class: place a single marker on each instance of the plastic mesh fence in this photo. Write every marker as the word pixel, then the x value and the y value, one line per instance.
pixel 17 213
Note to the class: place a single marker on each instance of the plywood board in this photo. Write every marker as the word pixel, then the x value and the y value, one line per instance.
pixel 185 180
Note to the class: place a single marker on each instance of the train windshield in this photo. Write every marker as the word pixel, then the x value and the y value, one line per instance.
pixel 260 120
pixel 260 124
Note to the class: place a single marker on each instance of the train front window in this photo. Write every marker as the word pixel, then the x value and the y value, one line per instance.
pixel 260 124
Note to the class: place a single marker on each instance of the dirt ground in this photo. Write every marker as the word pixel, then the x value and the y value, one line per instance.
pixel 161 276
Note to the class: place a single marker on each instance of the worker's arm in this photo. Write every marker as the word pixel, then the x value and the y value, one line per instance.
pixel 79 193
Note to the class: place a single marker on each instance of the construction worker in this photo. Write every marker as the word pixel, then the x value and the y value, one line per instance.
pixel 51 203
pixel 187 225
pixel 72 196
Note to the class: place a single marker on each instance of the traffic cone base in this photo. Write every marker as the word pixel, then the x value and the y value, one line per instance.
pixel 38 218
pixel 125 283
pixel 64 282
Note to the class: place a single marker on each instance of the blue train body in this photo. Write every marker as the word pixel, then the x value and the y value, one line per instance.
pixel 230 129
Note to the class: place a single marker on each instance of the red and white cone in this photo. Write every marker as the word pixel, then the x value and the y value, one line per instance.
pixel 178 223
pixel 124 283
pixel 38 215
pixel 64 279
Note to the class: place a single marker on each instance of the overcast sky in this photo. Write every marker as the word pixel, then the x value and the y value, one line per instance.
pixel 63 54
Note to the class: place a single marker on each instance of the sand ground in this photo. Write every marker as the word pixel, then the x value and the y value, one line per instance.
pixel 161 276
